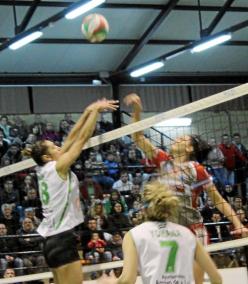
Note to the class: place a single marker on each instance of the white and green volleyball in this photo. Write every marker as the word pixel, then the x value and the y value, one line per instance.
pixel 95 27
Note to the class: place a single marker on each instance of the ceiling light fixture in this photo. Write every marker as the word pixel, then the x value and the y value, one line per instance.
pixel 77 11
pixel 211 42
pixel 147 69
pixel 25 40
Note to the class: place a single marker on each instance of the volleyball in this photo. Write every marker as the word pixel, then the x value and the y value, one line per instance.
pixel 95 27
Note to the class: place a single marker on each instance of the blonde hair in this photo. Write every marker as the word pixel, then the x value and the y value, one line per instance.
pixel 159 201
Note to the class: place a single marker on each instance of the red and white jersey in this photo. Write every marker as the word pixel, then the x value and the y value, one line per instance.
pixel 188 178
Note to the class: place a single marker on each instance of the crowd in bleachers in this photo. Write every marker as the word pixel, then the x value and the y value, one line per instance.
pixel 111 181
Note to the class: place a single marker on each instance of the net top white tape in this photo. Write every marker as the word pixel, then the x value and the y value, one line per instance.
pixel 210 101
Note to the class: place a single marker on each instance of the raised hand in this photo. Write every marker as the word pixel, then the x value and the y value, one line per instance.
pixel 104 105
pixel 134 100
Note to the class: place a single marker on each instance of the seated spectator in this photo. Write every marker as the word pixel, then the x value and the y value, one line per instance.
pixel 117 218
pixel 111 166
pixel 98 251
pixel 27 183
pixel 218 233
pixel 110 202
pixel 9 273
pixel 49 133
pixel 13 154
pixel 38 121
pixel 5 125
pixel 114 149
pixel 115 246
pixel 31 139
pixel 36 131
pixel 68 119
pixel 64 128
pixel 97 211
pixel 9 194
pixel 7 247
pixel 4 145
pixel 136 207
pixel 207 210
pixel 31 244
pixel 9 219
pixel 90 188
pixel 96 168
pixel 14 136
pixel 237 204
pixel 21 125
pixel 30 214
pixel 32 200
pixel 123 185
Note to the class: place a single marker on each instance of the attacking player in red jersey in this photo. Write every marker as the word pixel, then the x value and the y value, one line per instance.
pixel 186 176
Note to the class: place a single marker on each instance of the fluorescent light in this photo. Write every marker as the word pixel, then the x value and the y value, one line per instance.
pixel 182 121
pixel 147 69
pixel 212 42
pixel 83 9
pixel 25 40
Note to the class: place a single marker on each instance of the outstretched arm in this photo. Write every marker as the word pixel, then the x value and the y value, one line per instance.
pixel 138 137
pixel 225 208
pixel 73 135
pixel 68 158
pixel 206 263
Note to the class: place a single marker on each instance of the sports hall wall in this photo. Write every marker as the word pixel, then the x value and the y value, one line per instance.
pixel 53 102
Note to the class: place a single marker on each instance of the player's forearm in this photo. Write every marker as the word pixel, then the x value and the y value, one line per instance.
pixel 75 130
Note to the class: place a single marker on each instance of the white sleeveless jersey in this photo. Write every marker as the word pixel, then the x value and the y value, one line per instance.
pixel 60 201
pixel 165 252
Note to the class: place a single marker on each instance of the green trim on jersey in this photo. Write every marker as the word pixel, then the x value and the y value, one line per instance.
pixel 66 205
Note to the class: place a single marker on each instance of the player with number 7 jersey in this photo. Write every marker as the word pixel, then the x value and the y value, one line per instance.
pixel 161 251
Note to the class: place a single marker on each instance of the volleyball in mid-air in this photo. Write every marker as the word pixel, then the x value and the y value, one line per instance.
pixel 95 27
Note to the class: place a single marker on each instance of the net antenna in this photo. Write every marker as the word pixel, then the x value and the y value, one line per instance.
pixel 181 111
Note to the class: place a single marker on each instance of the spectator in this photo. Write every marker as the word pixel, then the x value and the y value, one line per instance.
pixel 115 246
pixel 96 168
pixel 136 207
pixel 240 168
pixel 5 125
pixel 39 123
pixel 218 233
pixel 4 145
pixel 97 212
pixel 49 133
pixel 36 131
pixel 112 167
pixel 21 125
pixel 31 244
pixel 9 273
pixel 64 128
pixel 90 189
pixel 231 153
pixel 117 218
pixel 7 247
pixel 114 197
pixel 32 200
pixel 207 210
pixel 68 119
pixel 9 219
pixel 237 203
pixel 14 136
pixel 13 153
pixel 123 185
pixel 9 194
pixel 215 161
pixel 135 195
pixel 29 213
pixel 98 251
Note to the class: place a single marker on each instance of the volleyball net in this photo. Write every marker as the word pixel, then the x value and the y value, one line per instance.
pixel 210 118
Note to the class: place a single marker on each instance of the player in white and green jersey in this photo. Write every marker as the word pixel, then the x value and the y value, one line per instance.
pixel 163 252
pixel 58 188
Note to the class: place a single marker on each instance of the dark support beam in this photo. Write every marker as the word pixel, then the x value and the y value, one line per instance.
pixel 124 41
pixel 180 50
pixel 158 78
pixel 218 17
pixel 28 16
pixel 147 35
pixel 64 4
pixel 30 98
pixel 116 115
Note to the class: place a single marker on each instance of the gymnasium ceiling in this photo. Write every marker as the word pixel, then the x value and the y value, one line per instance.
pixel 140 31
